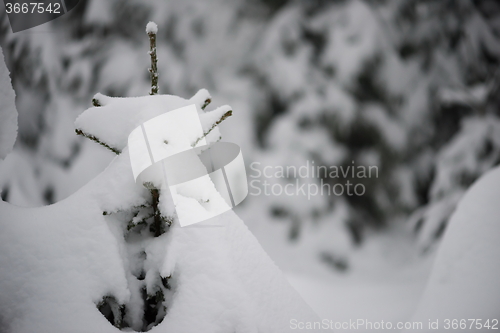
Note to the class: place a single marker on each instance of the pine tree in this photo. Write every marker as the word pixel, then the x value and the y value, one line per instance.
pixel 148 219
pixel 459 57
pixel 117 245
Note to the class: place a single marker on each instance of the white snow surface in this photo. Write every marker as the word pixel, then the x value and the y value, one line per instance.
pixel 464 281
pixel 8 112
pixel 57 262
pixel 243 287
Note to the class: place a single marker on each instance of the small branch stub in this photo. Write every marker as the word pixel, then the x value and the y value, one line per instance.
pixel 95 102
pixel 151 30
pixel 205 104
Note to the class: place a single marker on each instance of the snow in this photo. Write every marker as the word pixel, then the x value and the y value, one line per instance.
pixel 435 216
pixel 57 262
pixel 350 43
pixel 462 155
pixel 473 96
pixel 464 279
pixel 344 300
pixel 152 28
pixel 394 135
pixel 462 160
pixel 215 57
pixel 210 118
pixel 225 274
pixel 201 97
pixel 98 13
pixel 112 122
pixel 8 112
pixel 19 161
pixel 60 260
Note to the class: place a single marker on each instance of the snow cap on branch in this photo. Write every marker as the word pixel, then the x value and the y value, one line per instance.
pixel 151 28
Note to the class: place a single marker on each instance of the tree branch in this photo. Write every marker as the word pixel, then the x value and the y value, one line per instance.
pixel 151 29
pixel 96 102
pixel 93 138
pixel 205 104
pixel 221 119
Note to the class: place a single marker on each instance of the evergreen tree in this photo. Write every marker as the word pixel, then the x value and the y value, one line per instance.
pixel 117 245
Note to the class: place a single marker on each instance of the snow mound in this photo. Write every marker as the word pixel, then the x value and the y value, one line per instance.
pixel 58 262
pixel 222 272
pixel 8 112
pixel 465 277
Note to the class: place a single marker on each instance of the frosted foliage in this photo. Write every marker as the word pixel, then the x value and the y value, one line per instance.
pixel 349 43
pixel 464 156
pixel 471 153
pixel 8 112
pixel 387 92
pixel 312 62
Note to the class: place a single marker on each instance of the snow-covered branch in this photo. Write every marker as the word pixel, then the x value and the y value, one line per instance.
pixel 202 98
pixel 211 119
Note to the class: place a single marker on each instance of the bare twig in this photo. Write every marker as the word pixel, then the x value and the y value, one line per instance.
pixel 93 138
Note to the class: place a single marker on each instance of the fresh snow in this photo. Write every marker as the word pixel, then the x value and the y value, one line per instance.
pixel 151 27
pixel 347 300
pixel 57 262
pixel 112 122
pixel 60 260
